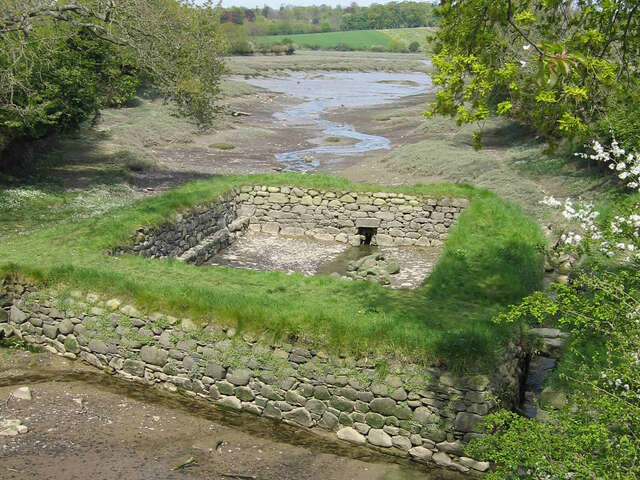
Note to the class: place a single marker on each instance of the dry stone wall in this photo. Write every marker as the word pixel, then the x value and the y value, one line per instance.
pixel 193 236
pixel 334 216
pixel 331 215
pixel 418 412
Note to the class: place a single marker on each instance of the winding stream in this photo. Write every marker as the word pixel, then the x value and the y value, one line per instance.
pixel 331 91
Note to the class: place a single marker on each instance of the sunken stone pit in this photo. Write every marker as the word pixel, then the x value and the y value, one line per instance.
pixel 304 230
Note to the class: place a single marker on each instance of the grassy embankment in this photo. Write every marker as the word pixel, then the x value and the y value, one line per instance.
pixel 353 39
pixel 492 259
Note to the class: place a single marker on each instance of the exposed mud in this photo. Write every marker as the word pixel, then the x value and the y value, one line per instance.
pixel 84 424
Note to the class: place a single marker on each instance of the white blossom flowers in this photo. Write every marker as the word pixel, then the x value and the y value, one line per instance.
pixel 621 238
pixel 626 165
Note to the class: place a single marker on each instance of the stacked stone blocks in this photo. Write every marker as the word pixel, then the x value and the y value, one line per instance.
pixel 419 412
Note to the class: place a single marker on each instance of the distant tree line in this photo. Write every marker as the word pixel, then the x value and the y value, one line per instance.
pixel 288 20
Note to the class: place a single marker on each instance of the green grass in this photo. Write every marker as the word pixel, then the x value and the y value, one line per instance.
pixel 355 39
pixel 492 258
pixel 222 146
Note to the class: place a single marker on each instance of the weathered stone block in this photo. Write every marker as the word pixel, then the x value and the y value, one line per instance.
pixel 367 222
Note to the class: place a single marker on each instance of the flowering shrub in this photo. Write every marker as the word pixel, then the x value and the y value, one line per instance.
pixel 620 236
pixel 626 165
pixel 595 435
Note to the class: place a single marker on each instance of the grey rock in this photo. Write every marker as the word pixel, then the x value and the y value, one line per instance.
pixel 300 416
pixel 363 428
pixel 391 430
pixel 403 443
pixel 342 404
pixel 374 419
pixel 316 406
pixel 466 422
pixel 349 393
pixel 321 392
pixel 421 454
pixel 16 315
pixel 240 376
pixel 22 393
pixel 271 411
pixel 399 394
pixel 51 331
pixel 425 416
pixel 231 402
pixel 474 464
pixel 66 326
pixel 442 459
pixel 379 438
pixel 384 406
pixel 294 398
pixel 71 344
pixel 270 393
pixel 244 393
pixel 35 321
pixel 345 419
pixel 328 421
pixel 351 435
pixel 215 371
pixel 154 356
pixel 134 367
pixel 455 448
pixel 225 388
pixel 214 392
pixel 98 346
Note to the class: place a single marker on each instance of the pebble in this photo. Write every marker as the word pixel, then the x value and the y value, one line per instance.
pixel 22 393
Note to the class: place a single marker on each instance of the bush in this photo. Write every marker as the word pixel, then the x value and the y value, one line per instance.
pixel 414 46
pixel 377 48
pixel 278 49
pixel 263 49
pixel 343 47
pixel 397 46
pixel 237 39
pixel 136 161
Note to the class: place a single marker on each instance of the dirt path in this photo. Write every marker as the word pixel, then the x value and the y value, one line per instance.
pixel 86 425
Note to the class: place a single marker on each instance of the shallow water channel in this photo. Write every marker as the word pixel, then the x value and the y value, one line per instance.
pixel 324 92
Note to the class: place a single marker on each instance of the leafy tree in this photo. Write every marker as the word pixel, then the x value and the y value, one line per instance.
pixel 62 61
pixel 557 66
pixel 237 39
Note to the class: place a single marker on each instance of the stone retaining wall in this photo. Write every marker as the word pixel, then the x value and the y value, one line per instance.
pixel 194 236
pixel 410 410
pixel 331 215
pixel 336 216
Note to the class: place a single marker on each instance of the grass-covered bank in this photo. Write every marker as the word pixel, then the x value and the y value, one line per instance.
pixel 492 258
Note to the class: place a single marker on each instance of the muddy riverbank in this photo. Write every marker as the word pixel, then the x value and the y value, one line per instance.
pixel 85 424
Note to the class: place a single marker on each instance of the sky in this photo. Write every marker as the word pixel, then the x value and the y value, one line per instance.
pixel 299 3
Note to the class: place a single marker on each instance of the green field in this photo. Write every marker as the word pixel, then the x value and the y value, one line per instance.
pixel 408 35
pixel 355 39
